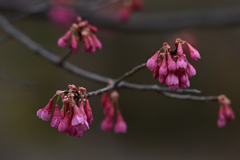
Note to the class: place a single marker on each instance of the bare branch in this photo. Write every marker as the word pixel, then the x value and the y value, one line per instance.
pixel 76 70
pixel 131 72
pixel 190 97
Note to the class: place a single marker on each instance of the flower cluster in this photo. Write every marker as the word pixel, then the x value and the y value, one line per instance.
pixel 75 115
pixel 109 101
pixel 225 112
pixel 172 67
pixel 81 31
pixel 127 7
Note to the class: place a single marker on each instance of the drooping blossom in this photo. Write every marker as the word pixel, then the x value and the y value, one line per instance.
pixel 225 113
pixel 46 112
pixel 56 118
pixel 75 115
pixel 172 65
pixel 88 111
pixel 107 124
pixel 110 104
pixel 120 125
pixel 81 31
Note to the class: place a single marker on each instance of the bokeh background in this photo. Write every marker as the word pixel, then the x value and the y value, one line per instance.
pixel 158 127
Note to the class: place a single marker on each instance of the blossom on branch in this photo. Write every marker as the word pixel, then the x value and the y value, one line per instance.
pixel 81 31
pixel 172 67
pixel 225 111
pixel 75 115
pixel 110 102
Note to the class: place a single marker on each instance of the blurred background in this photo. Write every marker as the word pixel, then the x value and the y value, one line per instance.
pixel 158 127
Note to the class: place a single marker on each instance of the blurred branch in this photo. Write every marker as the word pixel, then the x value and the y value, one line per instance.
pixel 174 20
pixel 128 74
pixel 190 97
pixel 18 81
pixel 149 21
pixel 74 69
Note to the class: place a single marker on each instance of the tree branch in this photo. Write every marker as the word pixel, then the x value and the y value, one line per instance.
pixel 78 71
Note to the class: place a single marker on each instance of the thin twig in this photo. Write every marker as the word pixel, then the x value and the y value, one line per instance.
pixel 190 97
pixel 65 57
pixel 129 73
pixel 18 81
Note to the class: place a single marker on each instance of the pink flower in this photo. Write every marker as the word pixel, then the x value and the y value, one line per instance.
pixel 221 123
pixel 163 71
pixel 152 62
pixel 86 46
pixel 174 87
pixel 62 113
pixel 172 79
pixel 46 112
pixel 228 112
pixel 56 118
pixel 190 70
pixel 78 133
pixel 194 54
pixel 114 95
pixel 161 80
pixel 65 123
pixel 104 99
pixel 221 118
pixel 92 45
pixel 81 31
pixel 72 88
pixel 185 84
pixel 179 49
pixel 107 124
pixel 73 44
pixel 109 109
pixel 71 130
pixel 124 14
pixel 88 111
pixel 93 28
pixel 171 64
pixel 82 126
pixel 120 126
pixel 96 42
pixel 63 16
pixel 64 39
pixel 155 72
pixel 181 63
pixel 77 117
pixel 184 78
